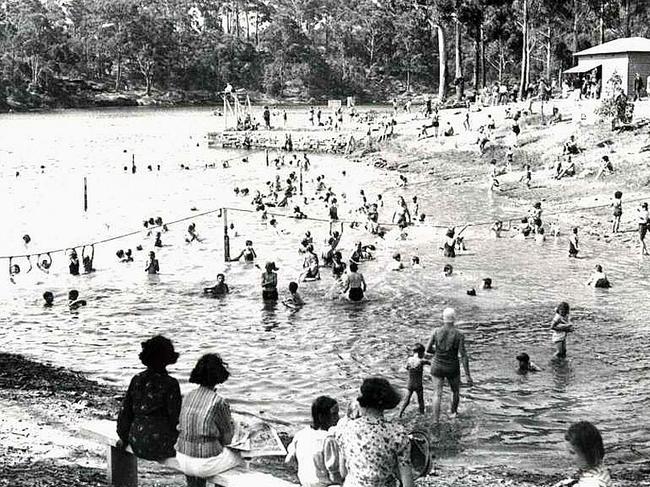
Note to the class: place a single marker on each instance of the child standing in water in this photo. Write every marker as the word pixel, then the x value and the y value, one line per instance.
pixel 152 264
pixel 561 327
pixel 573 243
pixel 618 211
pixel 415 366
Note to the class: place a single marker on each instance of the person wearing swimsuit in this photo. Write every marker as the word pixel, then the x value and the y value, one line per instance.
pixel 270 283
pixel 248 253
pixel 449 249
pixel 644 219
pixel 618 211
pixel 355 284
pixel 338 266
pixel 446 343
pixel 402 216
pixel 573 244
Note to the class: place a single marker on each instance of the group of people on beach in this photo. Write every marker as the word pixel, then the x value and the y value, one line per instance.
pixel 364 448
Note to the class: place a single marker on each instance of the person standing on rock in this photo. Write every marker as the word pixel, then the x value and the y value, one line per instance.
pixel 446 344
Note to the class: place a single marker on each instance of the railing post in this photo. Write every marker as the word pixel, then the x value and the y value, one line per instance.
pixel 226 238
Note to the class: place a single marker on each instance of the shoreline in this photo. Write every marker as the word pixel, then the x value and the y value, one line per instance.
pixel 39 442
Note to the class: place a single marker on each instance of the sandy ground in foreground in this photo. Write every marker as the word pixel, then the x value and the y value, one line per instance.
pixel 42 406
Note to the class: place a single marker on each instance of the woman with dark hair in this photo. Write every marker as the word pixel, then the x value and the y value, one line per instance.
pixel 270 282
pixel 309 445
pixel 377 452
pixel 206 426
pixel 149 414
pixel 585 445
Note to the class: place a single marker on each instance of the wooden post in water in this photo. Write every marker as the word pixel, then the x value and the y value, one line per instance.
pixel 85 193
pixel 300 178
pixel 226 238
pixel 267 157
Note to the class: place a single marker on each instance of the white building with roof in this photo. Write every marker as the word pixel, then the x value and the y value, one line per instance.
pixel 626 57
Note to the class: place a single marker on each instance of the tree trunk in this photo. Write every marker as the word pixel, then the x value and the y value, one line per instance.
pixel 458 81
pixel 477 64
pixel 549 46
pixel 248 27
pixel 626 17
pixel 575 26
pixel 147 79
pixel 601 24
pixel 237 23
pixel 442 63
pixel 524 50
pixel 257 28
pixel 118 76
pixel 501 61
pixel 482 48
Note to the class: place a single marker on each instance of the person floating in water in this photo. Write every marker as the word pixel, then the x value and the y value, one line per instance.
pixel 270 282
pixel 248 253
pixel 73 300
pixel 152 264
pixel 525 365
pixel 396 263
pixel 220 288
pixel 415 366
pixel 599 279
pixel 355 284
pixel 48 297
pixel 561 327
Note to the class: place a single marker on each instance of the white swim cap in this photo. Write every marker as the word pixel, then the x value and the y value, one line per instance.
pixel 449 315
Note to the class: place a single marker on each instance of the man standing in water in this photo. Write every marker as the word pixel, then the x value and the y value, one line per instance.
pixel 446 343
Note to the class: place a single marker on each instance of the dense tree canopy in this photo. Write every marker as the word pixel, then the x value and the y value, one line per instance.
pixel 368 48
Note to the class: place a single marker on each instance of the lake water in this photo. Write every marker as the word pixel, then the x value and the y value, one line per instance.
pixel 281 359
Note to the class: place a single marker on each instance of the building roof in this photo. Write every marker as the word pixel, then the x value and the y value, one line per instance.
pixel 584 67
pixel 628 44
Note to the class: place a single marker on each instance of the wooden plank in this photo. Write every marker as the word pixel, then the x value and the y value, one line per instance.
pixel 122 464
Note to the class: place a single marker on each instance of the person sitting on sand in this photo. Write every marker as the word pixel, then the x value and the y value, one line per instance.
pixel 560 328
pixel 449 130
pixel 355 284
pixel 310 264
pixel 599 279
pixel 248 253
pixel 294 300
pixel 574 248
pixel 396 263
pixel 525 365
pixel 571 147
pixel 569 170
pixel 149 414
pixel 220 288
pixel 585 447
pixel 311 446
pixel 48 297
pixel 270 282
pixel 152 266
pixel 73 300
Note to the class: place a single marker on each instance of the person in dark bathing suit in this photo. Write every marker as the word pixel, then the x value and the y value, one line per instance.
pixel 248 253
pixel 446 343
pixel 355 284
pixel 270 283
